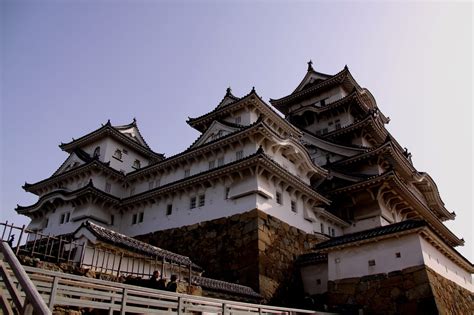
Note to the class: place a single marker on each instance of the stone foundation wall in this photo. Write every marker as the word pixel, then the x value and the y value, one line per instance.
pixel 414 290
pixel 252 249
pixel 450 298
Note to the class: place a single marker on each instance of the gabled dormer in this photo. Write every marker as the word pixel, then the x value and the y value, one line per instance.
pixel 245 111
pixel 77 158
pixel 216 130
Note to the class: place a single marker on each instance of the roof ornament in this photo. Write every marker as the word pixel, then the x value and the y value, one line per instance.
pixel 228 91
pixel 253 89
pixel 134 120
pixel 310 65
pixel 260 149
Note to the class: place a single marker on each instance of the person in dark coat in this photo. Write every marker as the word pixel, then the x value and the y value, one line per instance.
pixel 172 285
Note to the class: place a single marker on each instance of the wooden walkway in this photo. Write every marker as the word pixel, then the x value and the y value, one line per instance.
pixel 69 290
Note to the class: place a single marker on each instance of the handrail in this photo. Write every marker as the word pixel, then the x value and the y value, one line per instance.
pixel 116 296
pixel 32 295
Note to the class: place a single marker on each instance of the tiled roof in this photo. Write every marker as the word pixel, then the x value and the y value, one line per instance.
pixel 223 286
pixel 311 258
pixel 131 243
pixel 368 234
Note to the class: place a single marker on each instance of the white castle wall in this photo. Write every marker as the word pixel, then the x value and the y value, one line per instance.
pixel 437 261
pixel 354 261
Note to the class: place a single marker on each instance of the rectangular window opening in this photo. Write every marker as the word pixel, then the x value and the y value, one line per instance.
pixel 239 155
pixel 220 161
pixel 202 200
pixel 293 206
pixel 192 203
pixel 187 173
pixel 169 209
pixel 279 200
pixel 134 218
pixel 398 255
pixel 212 164
pixel 112 219
pixel 140 217
pixel 227 190
pixel 108 187
pixel 372 262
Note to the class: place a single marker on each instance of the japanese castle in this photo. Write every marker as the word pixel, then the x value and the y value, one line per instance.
pixel 310 191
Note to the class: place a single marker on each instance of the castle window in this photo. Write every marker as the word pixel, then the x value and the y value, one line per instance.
pixel 187 173
pixel 279 199
pixel 227 190
pixel 63 216
pixel 239 155
pixel 134 218
pixel 158 182
pixel 132 191
pixel 68 216
pixel 329 230
pixel 97 152
pixel 192 203
pixel 212 164
pixel 150 185
pixel 140 217
pixel 372 262
pixel 238 120
pixel 398 255
pixel 108 187
pixel 169 209
pixel 124 151
pixel 112 219
pixel 202 200
pixel 322 227
pixel 46 223
pixel 220 161
pixel 338 124
pixel 323 102
pixel 118 155
pixel 136 164
pixel 293 206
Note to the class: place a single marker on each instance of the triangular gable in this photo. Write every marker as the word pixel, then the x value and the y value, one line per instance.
pixel 215 131
pixel 311 77
pixel 72 161
pixel 133 133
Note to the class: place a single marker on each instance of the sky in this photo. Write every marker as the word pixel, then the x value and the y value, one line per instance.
pixel 69 66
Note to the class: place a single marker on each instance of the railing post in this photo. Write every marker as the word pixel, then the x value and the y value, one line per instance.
pixel 124 301
pixel 54 289
pixel 119 265
pixel 19 240
pixel 180 306
pixel 224 309
pixel 4 230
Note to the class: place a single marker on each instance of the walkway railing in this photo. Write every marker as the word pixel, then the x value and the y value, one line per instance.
pixel 31 299
pixel 76 291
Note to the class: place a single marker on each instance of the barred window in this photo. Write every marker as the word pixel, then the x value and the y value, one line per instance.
pixel 202 200
pixel 192 203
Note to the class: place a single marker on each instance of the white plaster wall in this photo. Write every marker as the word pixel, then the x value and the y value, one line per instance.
pixel 111 145
pixel 353 261
pixel 310 276
pixel 437 261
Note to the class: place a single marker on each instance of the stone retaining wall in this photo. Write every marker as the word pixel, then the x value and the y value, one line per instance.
pixel 414 290
pixel 252 249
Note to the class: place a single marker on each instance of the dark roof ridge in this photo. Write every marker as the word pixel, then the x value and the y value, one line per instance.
pixel 374 232
pixel 131 243
pixel 105 165
pixel 89 188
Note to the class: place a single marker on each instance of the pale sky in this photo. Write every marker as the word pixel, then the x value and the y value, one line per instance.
pixel 68 66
